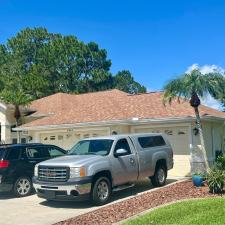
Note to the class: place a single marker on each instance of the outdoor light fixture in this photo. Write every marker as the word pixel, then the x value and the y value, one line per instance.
pixel 196 131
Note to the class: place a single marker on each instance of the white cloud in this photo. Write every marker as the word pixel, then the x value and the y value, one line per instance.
pixel 205 68
pixel 208 100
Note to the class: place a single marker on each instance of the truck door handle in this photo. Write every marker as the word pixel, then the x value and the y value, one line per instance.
pixel 132 161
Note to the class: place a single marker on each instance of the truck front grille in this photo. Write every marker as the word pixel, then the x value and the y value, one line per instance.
pixel 53 174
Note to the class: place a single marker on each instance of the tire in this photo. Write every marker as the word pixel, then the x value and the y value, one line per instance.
pixel 22 187
pixel 159 178
pixel 101 191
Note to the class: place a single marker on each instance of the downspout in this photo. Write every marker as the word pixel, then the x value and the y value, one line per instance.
pixel 213 146
pixel 191 146
pixel 223 138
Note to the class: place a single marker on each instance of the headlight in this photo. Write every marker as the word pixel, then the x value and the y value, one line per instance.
pixel 77 172
pixel 36 171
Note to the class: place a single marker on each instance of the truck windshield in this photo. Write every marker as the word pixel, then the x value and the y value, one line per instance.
pixel 92 147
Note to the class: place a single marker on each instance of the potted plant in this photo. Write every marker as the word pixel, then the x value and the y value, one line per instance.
pixel 198 179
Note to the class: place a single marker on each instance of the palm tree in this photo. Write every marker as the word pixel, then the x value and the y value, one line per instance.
pixel 193 86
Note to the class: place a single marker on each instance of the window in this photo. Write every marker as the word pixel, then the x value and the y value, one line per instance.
pixel 86 135
pixel 23 140
pixel 168 132
pixel 77 136
pixel 14 141
pixel 54 152
pixel 60 137
pixel 180 132
pixel 52 138
pixel 151 141
pixel 92 147
pixel 36 153
pixel 14 153
pixel 123 144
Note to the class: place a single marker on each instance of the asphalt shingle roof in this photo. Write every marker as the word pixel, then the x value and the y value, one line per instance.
pixel 109 105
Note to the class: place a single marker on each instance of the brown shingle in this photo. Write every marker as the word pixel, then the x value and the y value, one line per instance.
pixel 109 105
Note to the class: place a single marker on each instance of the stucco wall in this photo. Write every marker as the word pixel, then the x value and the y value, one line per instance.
pixel 5 125
pixel 66 138
pixel 212 135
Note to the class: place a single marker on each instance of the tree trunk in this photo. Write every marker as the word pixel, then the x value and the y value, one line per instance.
pixel 199 126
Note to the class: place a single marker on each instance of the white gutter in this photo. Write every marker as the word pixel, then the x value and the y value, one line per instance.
pixel 133 121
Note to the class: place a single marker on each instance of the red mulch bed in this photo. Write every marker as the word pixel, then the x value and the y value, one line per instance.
pixel 127 208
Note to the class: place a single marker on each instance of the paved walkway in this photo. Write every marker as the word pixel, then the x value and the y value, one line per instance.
pixel 32 210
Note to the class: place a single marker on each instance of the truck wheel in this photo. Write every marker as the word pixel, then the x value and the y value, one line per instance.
pixel 22 187
pixel 159 178
pixel 101 191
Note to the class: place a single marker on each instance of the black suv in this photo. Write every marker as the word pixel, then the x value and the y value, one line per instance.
pixel 17 163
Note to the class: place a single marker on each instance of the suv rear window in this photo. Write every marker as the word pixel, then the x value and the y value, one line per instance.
pixel 151 141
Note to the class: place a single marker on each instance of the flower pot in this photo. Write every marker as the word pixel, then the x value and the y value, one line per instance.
pixel 197 180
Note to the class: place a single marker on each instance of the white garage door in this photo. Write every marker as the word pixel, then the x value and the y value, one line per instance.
pixel 67 139
pixel 179 140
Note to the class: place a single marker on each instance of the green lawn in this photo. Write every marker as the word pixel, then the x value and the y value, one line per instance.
pixel 207 211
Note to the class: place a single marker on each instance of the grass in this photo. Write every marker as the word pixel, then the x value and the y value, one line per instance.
pixel 207 211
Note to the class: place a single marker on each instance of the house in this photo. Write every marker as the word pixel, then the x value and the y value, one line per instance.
pixel 63 119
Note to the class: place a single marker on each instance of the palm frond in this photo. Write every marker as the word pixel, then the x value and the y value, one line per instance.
pixel 195 83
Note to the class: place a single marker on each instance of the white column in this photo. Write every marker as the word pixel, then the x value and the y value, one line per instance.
pixel 36 137
pixel 6 133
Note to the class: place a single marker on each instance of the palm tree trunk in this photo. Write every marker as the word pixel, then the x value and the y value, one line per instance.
pixel 199 126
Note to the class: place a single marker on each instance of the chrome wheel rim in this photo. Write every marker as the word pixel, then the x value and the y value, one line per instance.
pixel 161 175
pixel 102 190
pixel 23 186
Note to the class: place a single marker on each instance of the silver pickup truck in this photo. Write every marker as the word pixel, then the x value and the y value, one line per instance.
pixel 95 167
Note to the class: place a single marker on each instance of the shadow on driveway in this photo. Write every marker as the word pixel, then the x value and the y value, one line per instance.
pixel 140 186
pixel 8 195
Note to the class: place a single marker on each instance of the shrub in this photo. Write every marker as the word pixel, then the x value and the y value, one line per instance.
pixel 215 180
pixel 220 162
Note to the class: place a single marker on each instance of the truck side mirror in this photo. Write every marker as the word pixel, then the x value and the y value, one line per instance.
pixel 120 152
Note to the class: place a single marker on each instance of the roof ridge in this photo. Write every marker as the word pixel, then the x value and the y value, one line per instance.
pixel 79 94
pixel 146 93
pixel 95 92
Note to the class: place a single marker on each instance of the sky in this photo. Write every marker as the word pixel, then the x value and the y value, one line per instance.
pixel 156 40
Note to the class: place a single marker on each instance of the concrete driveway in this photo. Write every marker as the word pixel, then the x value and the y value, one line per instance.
pixel 32 210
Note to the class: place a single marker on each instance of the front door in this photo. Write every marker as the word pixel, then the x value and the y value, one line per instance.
pixel 125 168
